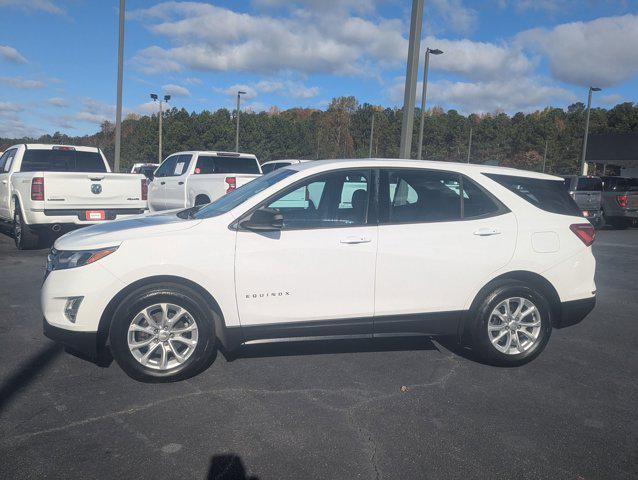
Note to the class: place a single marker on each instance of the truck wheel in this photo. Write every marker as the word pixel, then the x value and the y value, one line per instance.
pixel 23 236
pixel 163 333
pixel 512 325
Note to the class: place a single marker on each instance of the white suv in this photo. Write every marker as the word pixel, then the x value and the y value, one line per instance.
pixel 495 257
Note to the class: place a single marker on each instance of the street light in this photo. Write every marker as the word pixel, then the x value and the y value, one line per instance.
pixel 118 105
pixel 156 99
pixel 239 94
pixel 582 160
pixel 428 51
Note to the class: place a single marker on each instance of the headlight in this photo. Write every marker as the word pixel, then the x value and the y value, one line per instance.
pixel 61 260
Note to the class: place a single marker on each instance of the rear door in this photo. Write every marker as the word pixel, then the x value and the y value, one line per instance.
pixel 175 187
pixel 440 236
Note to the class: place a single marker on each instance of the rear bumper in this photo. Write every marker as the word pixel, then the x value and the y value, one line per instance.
pixel 84 344
pixel 37 219
pixel 575 311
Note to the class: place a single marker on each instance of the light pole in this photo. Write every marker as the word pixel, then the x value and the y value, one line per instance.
pixel 160 101
pixel 412 72
pixel 469 146
pixel 239 94
pixel 371 135
pixel 582 160
pixel 118 106
pixel 426 67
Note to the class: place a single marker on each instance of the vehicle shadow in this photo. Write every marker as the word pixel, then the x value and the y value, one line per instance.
pixel 322 347
pixel 27 372
pixel 228 467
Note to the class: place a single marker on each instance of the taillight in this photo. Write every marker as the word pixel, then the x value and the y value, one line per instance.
pixel 622 200
pixel 144 189
pixel 37 189
pixel 584 231
pixel 232 184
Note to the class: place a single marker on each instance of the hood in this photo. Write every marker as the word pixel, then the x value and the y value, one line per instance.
pixel 113 233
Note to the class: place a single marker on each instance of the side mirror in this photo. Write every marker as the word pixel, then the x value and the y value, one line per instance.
pixel 264 220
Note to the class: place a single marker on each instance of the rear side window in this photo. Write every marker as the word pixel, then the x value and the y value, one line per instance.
pixel 589 184
pixel 617 184
pixel 62 161
pixel 236 165
pixel 548 195
pixel 274 166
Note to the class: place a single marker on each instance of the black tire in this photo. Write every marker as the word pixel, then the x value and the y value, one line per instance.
pixel 23 236
pixel 201 200
pixel 203 354
pixel 481 343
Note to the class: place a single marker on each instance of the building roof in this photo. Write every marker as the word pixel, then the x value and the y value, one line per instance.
pixel 612 148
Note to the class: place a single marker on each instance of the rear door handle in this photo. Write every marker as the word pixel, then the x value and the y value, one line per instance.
pixel 486 232
pixel 180 183
pixel 354 240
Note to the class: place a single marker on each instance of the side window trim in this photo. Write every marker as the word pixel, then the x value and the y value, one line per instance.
pixel 384 210
pixel 371 214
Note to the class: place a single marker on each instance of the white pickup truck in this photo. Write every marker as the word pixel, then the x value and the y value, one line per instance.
pixel 187 179
pixel 48 189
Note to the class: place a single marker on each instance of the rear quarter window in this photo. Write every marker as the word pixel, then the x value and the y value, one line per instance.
pixel 548 195
pixel 236 165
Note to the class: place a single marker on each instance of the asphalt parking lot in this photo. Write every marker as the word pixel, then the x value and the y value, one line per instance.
pixel 329 409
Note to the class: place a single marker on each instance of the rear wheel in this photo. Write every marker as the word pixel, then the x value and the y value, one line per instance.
pixel 201 200
pixel 512 325
pixel 163 333
pixel 23 236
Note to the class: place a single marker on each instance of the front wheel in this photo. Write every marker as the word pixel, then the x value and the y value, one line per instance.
pixel 163 333
pixel 513 325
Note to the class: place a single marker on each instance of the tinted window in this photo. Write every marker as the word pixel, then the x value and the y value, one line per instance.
pixel 476 202
pixel 205 165
pixel 62 161
pixel 415 196
pixel 167 167
pixel 237 197
pixel 236 165
pixel 589 184
pixel 9 162
pixel 332 200
pixel 617 184
pixel 548 195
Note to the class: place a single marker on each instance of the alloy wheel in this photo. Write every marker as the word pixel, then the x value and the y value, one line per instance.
pixel 514 325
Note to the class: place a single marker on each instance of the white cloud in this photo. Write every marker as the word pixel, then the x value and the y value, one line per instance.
pixel 176 90
pixel 14 128
pixel 258 43
pixel 10 54
pixel 478 60
pixel 10 108
pixel 251 92
pixel 58 102
pixel 148 108
pixel 287 88
pixel 601 52
pixel 192 81
pixel 454 14
pixel 510 95
pixel 47 6
pixel 323 6
pixel 610 99
pixel 95 111
pixel 22 83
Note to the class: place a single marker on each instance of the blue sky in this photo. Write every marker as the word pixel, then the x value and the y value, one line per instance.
pixel 58 57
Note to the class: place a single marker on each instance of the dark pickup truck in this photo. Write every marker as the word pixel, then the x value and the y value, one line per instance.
pixel 620 201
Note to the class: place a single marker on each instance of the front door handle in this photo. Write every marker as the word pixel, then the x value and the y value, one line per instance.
pixel 180 183
pixel 354 240
pixel 162 183
pixel 486 232
pixel 4 182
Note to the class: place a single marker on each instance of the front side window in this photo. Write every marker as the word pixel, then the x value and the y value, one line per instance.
pixel 237 197
pixel 181 165
pixel 167 167
pixel 334 199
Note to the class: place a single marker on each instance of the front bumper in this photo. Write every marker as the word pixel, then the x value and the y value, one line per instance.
pixel 575 311
pixel 84 344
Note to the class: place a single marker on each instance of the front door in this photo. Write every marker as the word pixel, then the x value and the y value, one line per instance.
pixel 440 236
pixel 157 188
pixel 5 183
pixel 175 187
pixel 316 275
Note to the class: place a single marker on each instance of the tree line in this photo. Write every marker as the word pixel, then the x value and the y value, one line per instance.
pixel 343 130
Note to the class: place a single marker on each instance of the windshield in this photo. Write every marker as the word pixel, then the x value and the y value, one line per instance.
pixel 237 197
